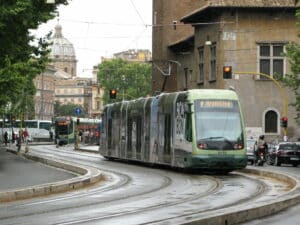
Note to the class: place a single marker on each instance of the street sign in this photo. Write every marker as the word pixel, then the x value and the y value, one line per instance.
pixel 77 111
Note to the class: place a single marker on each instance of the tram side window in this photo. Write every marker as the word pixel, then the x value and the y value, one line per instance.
pixel 139 134
pixel 129 134
pixel 188 127
pixel 109 133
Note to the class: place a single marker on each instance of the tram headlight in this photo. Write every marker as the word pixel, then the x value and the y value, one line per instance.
pixel 202 145
pixel 238 146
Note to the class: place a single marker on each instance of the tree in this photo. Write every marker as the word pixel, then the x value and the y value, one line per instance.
pixel 292 80
pixel 22 56
pixel 68 109
pixel 131 79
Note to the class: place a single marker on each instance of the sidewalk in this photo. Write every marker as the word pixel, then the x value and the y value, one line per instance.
pixel 19 172
pixel 31 175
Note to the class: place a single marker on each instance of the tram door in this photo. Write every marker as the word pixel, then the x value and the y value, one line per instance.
pixel 146 138
pixel 138 137
pixel 164 153
pixel 123 132
pixel 167 134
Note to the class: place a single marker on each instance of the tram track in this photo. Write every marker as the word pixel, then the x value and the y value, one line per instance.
pixel 132 205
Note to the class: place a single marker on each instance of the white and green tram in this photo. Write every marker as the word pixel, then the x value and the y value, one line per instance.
pixel 199 129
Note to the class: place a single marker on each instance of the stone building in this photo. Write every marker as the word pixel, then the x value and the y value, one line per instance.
pixel 134 55
pixel 76 91
pixel 69 88
pixel 63 53
pixel 197 38
pixel 97 93
pixel 45 94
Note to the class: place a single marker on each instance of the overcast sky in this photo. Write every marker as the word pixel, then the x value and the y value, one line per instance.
pixel 100 28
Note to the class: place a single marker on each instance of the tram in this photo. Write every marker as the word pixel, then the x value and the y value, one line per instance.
pixel 197 129
pixel 65 128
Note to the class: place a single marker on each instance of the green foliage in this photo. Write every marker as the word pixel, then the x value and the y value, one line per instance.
pixel 134 79
pixel 68 110
pixel 292 80
pixel 22 56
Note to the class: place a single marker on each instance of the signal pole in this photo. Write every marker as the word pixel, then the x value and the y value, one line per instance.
pixel 282 92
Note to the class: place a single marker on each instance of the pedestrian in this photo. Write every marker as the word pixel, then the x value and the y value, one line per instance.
pixel 19 140
pixel 25 135
pixel 5 138
pixel 51 135
pixel 80 136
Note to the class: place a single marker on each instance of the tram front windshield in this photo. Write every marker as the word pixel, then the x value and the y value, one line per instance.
pixel 218 124
pixel 63 127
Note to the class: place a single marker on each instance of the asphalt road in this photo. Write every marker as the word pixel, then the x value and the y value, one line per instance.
pixel 14 172
pixel 290 216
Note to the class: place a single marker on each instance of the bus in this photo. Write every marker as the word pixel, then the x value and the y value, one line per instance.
pixel 65 130
pixel 39 130
pixel 198 129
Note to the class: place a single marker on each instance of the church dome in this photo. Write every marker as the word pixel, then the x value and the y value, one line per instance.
pixel 61 47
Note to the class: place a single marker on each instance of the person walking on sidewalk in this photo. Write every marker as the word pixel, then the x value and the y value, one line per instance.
pixel 25 135
pixel 5 138
pixel 19 140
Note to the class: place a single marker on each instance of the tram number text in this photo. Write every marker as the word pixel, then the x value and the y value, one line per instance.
pixel 222 153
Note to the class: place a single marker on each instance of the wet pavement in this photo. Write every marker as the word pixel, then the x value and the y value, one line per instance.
pixel 19 172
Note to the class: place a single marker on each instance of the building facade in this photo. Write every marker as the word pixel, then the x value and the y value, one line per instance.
pixel 69 88
pixel 76 91
pixel 249 36
pixel 45 94
pixel 63 53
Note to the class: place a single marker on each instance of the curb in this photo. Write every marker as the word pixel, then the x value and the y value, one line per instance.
pixel 87 176
pixel 250 211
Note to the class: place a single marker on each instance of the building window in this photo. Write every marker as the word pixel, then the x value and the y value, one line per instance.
pixel 271 122
pixel 213 62
pixel 200 79
pixel 271 59
pixel 66 69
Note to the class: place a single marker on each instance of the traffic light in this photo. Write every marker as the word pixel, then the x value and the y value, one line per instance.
pixel 284 122
pixel 227 72
pixel 112 93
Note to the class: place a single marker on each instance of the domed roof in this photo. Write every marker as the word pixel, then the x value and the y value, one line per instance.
pixel 61 47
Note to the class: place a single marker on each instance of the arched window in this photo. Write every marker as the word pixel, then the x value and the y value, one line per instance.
pixel 271 120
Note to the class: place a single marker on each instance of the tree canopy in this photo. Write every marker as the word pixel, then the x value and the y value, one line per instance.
pixel 22 56
pixel 68 109
pixel 130 79
pixel 292 80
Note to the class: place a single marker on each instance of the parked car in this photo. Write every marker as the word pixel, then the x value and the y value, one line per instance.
pixel 251 145
pixel 284 153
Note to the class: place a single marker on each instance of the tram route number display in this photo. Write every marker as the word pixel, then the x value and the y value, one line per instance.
pixel 215 104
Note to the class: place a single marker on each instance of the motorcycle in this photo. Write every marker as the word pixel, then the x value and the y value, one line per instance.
pixel 261 159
